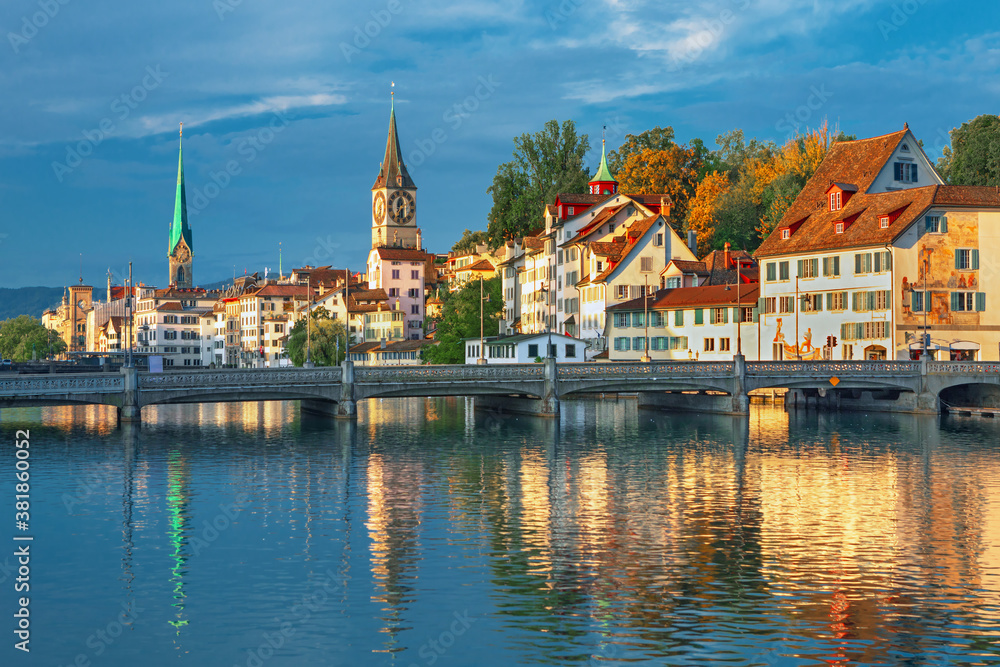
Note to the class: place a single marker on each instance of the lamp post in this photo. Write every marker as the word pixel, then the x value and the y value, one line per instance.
pixel 309 363
pixel 645 319
pixel 924 305
pixel 544 289
pixel 482 349
pixel 739 312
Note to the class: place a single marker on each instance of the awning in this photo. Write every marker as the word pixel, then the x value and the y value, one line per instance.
pixel 964 345
pixel 572 320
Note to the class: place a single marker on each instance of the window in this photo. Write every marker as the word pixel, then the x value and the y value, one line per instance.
pixel 699 316
pixel 862 263
pixel 718 316
pixel 771 272
pixel 835 201
pixel 782 270
pixel 678 318
pixel 638 319
pixel 770 303
pixel 395 274
pixel 656 319
pixel 621 320
pixel 658 239
pixel 836 300
pixel 393 291
pixel 621 291
pixel 645 264
pixel 786 233
pixel 533 350
pixel 723 345
pixel 966 259
pixel 808 268
pixel 639 343
pixel 831 267
pixel 559 258
pixel 413 293
pixel 622 344
pixel 570 351
pixel 883 222
pixel 673 283
pixel 811 303
pixel 415 309
pixel 905 172
pixel 746 314
pixel 917 301
pixel 963 301
pixel 882 261
pixel 415 275
pixel 709 345
pixel 786 304
pixel 936 224
pixel 600 266
pixel 838 228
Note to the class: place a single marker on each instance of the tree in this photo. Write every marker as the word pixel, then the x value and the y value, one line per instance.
pixel 460 319
pixel 704 208
pixel 21 335
pixel 328 344
pixel 545 164
pixel 672 170
pixel 975 152
pixel 469 241
pixel 657 139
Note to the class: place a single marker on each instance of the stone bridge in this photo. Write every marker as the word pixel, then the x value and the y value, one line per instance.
pixel 909 386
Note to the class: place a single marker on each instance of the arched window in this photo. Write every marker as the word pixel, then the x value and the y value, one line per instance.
pixel 180 275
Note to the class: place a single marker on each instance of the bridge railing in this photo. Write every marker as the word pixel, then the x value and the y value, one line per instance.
pixel 832 368
pixel 647 370
pixel 284 377
pixel 963 367
pixel 35 385
pixel 449 373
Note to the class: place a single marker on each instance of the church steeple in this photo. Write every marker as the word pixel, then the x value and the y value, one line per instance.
pixel 393 172
pixel 603 182
pixel 180 248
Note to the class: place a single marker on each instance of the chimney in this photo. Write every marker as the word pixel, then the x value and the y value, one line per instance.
pixel 693 243
pixel 418 239
pixel 725 256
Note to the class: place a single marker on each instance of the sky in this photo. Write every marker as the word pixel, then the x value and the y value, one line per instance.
pixel 285 108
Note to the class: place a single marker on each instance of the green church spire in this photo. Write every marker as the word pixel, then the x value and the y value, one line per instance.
pixel 179 227
pixel 603 173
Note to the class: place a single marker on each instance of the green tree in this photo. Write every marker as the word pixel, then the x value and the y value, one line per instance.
pixel 19 334
pixel 460 318
pixel 657 139
pixel 469 241
pixel 328 344
pixel 546 163
pixel 975 152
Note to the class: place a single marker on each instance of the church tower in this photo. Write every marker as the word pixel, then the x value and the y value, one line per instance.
pixel 603 183
pixel 180 249
pixel 394 198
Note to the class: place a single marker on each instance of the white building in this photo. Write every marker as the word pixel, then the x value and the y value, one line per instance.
pixel 875 245
pixel 525 348
pixel 710 323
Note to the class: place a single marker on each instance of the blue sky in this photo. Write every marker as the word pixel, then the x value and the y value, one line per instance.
pixel 294 98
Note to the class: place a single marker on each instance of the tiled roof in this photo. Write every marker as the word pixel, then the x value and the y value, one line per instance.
pixel 581 198
pixel 170 305
pixel 408 254
pixel 283 290
pixel 481 265
pixel 687 266
pixel 605 249
pixel 532 243
pixel 967 195
pixel 594 225
pixel 685 297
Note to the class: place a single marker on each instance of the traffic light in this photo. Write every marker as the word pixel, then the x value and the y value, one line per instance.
pixel 833 341
pixel 829 341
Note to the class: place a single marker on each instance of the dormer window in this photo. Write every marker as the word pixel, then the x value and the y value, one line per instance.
pixel 838 228
pixel 786 233
pixel 571 210
pixel 835 201
pixel 883 222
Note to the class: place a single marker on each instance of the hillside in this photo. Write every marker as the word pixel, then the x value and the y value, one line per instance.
pixel 28 301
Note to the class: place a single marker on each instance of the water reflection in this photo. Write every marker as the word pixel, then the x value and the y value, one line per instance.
pixel 611 535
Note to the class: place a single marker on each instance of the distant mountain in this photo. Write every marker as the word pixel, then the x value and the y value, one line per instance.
pixel 28 301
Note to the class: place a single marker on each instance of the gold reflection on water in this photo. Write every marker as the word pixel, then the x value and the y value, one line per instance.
pixel 536 508
pixel 178 522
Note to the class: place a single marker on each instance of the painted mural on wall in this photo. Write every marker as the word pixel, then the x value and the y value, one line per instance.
pixel 936 254
pixel 803 351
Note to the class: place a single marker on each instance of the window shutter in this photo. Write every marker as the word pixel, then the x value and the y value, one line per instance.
pixel 888 260
pixel 898 171
pixel 815 267
pixel 958 259
pixel 913 173
pixel 888 299
pixel 859 330
pixel 955 296
pixel 756 314
pixel 711 315
pixel 799 268
pixel 819 302
pixel 760 304
pixel 684 342
pixel 736 314
pixel 829 300
pixel 857 264
pixel 699 316
pixel 980 301
pixel 854 301
pixel 944 225
pixel 836 265
pixel 843 331
pixel 725 316
pixel 975 258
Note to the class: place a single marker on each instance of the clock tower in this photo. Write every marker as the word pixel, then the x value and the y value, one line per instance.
pixel 180 249
pixel 394 198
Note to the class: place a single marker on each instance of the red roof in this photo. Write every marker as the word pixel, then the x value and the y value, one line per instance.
pixel 686 297
pixel 405 254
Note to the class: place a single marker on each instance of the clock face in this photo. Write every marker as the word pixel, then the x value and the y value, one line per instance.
pixel 378 207
pixel 81 304
pixel 183 254
pixel 401 207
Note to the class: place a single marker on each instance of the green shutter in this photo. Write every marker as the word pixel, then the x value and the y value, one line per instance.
pixel 944 225
pixel 958 259
pixel 756 314
pixel 975 258
pixel 836 265
pixel 799 268
pixel 725 316
pixel 857 263
pixel 859 330
pixel 699 316
pixel 819 302
pixel 888 299
pixel 711 315
pixel 955 296
pixel 684 342
pixel 829 300
pixel 760 304
pixel 980 301
pixel 854 301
